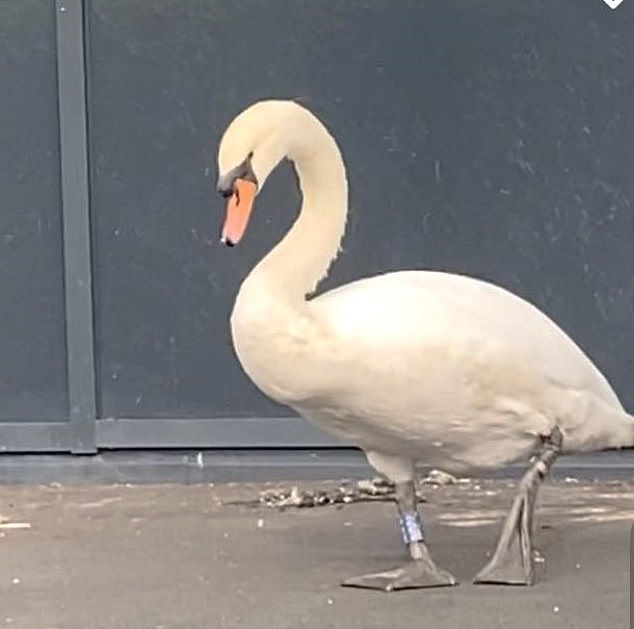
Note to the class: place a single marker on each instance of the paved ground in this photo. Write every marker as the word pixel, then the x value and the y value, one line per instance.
pixel 188 557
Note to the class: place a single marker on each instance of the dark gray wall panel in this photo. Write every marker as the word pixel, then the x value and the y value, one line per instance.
pixel 481 137
pixel 32 347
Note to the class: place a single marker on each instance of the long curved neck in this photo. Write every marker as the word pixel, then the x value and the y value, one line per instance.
pixel 294 267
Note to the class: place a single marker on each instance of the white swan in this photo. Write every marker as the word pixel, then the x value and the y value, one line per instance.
pixel 416 367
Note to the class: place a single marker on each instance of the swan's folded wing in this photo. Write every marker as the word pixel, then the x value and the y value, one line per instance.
pixel 426 315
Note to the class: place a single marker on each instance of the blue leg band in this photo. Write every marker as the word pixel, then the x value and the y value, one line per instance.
pixel 411 528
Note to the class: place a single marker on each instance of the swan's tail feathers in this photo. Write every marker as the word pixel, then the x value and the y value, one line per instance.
pixel 598 425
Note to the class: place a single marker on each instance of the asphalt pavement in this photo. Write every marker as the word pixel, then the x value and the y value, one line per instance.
pixel 201 556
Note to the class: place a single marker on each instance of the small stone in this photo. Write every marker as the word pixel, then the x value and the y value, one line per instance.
pixel 556 609
pixel 438 477
pixel 15 581
pixel 260 523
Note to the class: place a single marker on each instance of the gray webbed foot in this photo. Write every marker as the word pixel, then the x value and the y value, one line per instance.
pixel 414 574
pixel 421 571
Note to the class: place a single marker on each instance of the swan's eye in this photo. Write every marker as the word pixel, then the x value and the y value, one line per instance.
pixel 226 183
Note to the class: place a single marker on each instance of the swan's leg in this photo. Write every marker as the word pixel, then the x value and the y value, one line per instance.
pixel 420 571
pixel 512 562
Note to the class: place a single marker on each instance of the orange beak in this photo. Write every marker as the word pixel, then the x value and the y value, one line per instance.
pixel 238 211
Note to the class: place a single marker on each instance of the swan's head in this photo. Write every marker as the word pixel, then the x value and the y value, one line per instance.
pixel 251 147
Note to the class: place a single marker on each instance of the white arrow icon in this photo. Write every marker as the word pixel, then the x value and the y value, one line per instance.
pixel 613 4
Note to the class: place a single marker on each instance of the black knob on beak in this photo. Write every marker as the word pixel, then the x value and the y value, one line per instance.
pixel 225 186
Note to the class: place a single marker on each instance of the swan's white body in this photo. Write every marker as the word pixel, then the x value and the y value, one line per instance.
pixel 415 367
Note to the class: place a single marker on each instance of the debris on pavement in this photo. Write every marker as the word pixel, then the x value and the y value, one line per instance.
pixel 367 490
pixel 375 487
pixel 6 524
pixel 345 493
pixel 438 477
